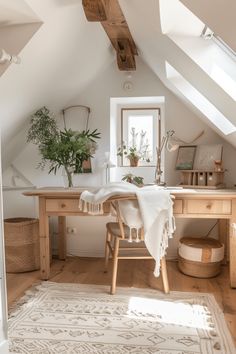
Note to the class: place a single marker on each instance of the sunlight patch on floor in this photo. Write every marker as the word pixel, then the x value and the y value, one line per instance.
pixel 175 313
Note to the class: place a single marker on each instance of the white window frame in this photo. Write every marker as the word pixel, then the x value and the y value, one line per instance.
pixel 155 112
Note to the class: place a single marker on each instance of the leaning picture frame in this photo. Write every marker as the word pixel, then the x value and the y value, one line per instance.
pixel 206 155
pixel 185 157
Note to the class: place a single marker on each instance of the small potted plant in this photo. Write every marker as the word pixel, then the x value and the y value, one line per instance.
pixel 61 148
pixel 130 153
pixel 137 180
pixel 134 151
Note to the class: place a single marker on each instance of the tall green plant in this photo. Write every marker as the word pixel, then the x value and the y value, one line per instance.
pixel 65 148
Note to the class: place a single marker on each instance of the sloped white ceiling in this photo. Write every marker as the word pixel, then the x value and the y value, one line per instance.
pixel 157 49
pixel 219 15
pixel 16 12
pixel 61 58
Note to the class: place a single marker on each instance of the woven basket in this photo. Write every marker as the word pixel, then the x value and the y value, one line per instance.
pixel 200 258
pixel 21 244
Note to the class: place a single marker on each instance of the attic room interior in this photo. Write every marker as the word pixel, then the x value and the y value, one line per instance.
pixel 118 176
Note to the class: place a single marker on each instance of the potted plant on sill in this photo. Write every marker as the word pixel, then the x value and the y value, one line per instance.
pixel 130 153
pixel 61 148
pixel 135 151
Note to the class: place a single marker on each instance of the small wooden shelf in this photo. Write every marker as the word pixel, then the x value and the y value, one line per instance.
pixel 206 179
pixel 223 171
pixel 219 186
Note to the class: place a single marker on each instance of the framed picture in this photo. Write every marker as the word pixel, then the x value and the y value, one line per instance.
pixel 206 155
pixel 185 157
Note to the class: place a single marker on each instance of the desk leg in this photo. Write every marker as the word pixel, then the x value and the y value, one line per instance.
pixel 232 246
pixel 223 231
pixel 44 240
pixel 62 237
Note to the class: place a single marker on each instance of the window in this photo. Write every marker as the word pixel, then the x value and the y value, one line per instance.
pixel 207 33
pixel 140 130
pixel 199 101
pixel 202 45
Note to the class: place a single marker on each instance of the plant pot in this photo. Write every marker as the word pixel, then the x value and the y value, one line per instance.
pixel 134 161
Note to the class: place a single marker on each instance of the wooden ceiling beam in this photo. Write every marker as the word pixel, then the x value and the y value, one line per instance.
pixel 117 29
pixel 124 54
pixel 94 10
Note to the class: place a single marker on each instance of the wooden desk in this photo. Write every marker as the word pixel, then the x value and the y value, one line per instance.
pixel 216 204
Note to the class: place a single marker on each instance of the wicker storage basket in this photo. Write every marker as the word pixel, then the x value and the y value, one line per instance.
pixel 199 257
pixel 21 244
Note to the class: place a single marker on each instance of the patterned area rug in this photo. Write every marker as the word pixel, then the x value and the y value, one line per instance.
pixel 74 318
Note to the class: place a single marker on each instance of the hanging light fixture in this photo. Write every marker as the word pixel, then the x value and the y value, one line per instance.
pixel 5 57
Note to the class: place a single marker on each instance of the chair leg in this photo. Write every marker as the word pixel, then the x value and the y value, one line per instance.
pixel 115 266
pixel 164 276
pixel 107 251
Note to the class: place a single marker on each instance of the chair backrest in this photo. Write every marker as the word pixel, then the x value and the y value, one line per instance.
pixel 128 216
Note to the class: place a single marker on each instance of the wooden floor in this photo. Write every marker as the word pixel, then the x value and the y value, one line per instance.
pixel 131 273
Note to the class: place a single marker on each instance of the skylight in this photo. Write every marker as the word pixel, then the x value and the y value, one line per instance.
pixel 199 101
pixel 199 42
pixel 226 82
pixel 219 41
pixel 218 73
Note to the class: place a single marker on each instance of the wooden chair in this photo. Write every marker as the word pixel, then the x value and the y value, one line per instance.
pixel 119 245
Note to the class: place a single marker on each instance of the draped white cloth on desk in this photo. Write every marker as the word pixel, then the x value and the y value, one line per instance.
pixel 154 211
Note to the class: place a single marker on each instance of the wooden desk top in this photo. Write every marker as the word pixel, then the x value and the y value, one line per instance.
pixel 55 192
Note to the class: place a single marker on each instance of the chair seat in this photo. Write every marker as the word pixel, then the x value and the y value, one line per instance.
pixel 123 242
pixel 114 229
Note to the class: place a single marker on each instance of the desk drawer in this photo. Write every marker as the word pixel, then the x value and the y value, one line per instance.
pixel 69 206
pixel 55 205
pixel 204 206
pixel 178 206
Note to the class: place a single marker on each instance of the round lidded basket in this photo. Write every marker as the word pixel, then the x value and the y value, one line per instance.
pixel 200 258
pixel 21 244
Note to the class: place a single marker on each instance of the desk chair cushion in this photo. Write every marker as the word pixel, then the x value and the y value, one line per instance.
pixel 131 234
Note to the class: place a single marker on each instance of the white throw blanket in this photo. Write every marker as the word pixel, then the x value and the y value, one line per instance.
pixel 154 211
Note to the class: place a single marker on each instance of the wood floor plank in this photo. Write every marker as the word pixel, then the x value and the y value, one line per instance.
pixel 131 273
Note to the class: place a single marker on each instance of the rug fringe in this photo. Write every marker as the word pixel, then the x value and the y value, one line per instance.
pixel 20 302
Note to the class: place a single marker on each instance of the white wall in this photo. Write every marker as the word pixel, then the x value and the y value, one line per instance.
pixel 90 231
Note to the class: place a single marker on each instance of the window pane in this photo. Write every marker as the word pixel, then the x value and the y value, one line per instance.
pixel 140 131
pixel 142 126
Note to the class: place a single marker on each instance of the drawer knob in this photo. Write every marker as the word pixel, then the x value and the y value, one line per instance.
pixel 63 205
pixel 209 206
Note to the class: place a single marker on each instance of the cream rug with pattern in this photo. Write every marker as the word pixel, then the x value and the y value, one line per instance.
pixel 75 318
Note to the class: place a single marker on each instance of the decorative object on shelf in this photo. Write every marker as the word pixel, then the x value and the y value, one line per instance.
pixel 206 155
pixel 218 166
pixel 61 148
pixel 132 151
pixel 185 157
pixel 137 180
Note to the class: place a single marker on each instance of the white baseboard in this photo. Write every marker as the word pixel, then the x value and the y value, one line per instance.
pixel 100 253
pixel 81 253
